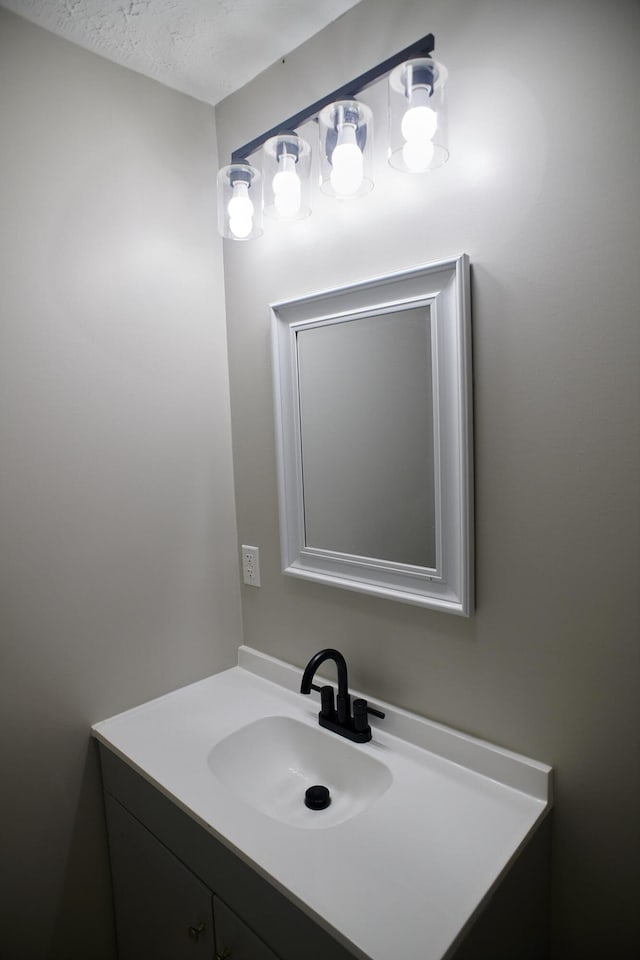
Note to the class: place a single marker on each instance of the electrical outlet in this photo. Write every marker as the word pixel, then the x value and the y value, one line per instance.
pixel 251 565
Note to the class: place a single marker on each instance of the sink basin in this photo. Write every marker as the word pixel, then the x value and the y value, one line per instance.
pixel 271 762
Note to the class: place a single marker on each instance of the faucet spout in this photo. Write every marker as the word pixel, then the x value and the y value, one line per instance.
pixel 316 661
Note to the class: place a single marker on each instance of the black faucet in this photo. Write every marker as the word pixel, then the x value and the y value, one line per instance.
pixel 338 718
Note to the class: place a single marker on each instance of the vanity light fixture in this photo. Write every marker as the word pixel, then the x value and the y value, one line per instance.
pixel 417 143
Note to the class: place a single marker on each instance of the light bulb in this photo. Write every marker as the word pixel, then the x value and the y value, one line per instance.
pixel 419 123
pixel 240 211
pixel 417 155
pixel 240 227
pixel 287 189
pixel 347 163
pixel 420 120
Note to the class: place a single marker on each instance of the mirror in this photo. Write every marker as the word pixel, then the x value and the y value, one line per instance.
pixel 373 415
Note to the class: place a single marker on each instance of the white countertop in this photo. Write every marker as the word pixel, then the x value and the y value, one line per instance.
pixel 401 878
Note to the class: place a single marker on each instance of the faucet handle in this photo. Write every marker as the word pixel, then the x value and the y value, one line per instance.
pixel 326 701
pixel 361 711
pixel 327 708
pixel 375 713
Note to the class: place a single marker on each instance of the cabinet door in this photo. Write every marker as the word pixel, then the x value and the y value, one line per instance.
pixel 234 939
pixel 162 910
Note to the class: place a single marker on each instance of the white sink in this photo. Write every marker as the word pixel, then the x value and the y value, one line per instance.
pixel 271 762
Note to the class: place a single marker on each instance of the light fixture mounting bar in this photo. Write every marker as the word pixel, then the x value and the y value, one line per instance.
pixel 420 48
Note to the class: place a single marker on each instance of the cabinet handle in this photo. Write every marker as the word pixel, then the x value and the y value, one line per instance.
pixel 194 932
pixel 225 955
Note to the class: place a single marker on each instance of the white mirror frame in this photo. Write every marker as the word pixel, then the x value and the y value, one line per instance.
pixel 445 287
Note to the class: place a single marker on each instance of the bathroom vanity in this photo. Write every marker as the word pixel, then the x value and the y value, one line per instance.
pixel 434 845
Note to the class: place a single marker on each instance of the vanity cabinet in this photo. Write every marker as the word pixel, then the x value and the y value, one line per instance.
pixel 181 893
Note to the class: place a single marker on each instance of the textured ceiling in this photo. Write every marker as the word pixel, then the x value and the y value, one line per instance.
pixel 205 48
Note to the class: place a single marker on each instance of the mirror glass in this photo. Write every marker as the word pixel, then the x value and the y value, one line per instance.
pixel 366 424
pixel 372 391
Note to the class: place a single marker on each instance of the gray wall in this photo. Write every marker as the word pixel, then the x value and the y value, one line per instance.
pixel 119 573
pixel 542 192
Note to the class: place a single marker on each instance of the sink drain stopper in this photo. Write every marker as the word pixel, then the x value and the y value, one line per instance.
pixel 317 798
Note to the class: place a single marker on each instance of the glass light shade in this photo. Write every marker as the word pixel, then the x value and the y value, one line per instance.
pixel 286 174
pixel 418 134
pixel 239 202
pixel 346 149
